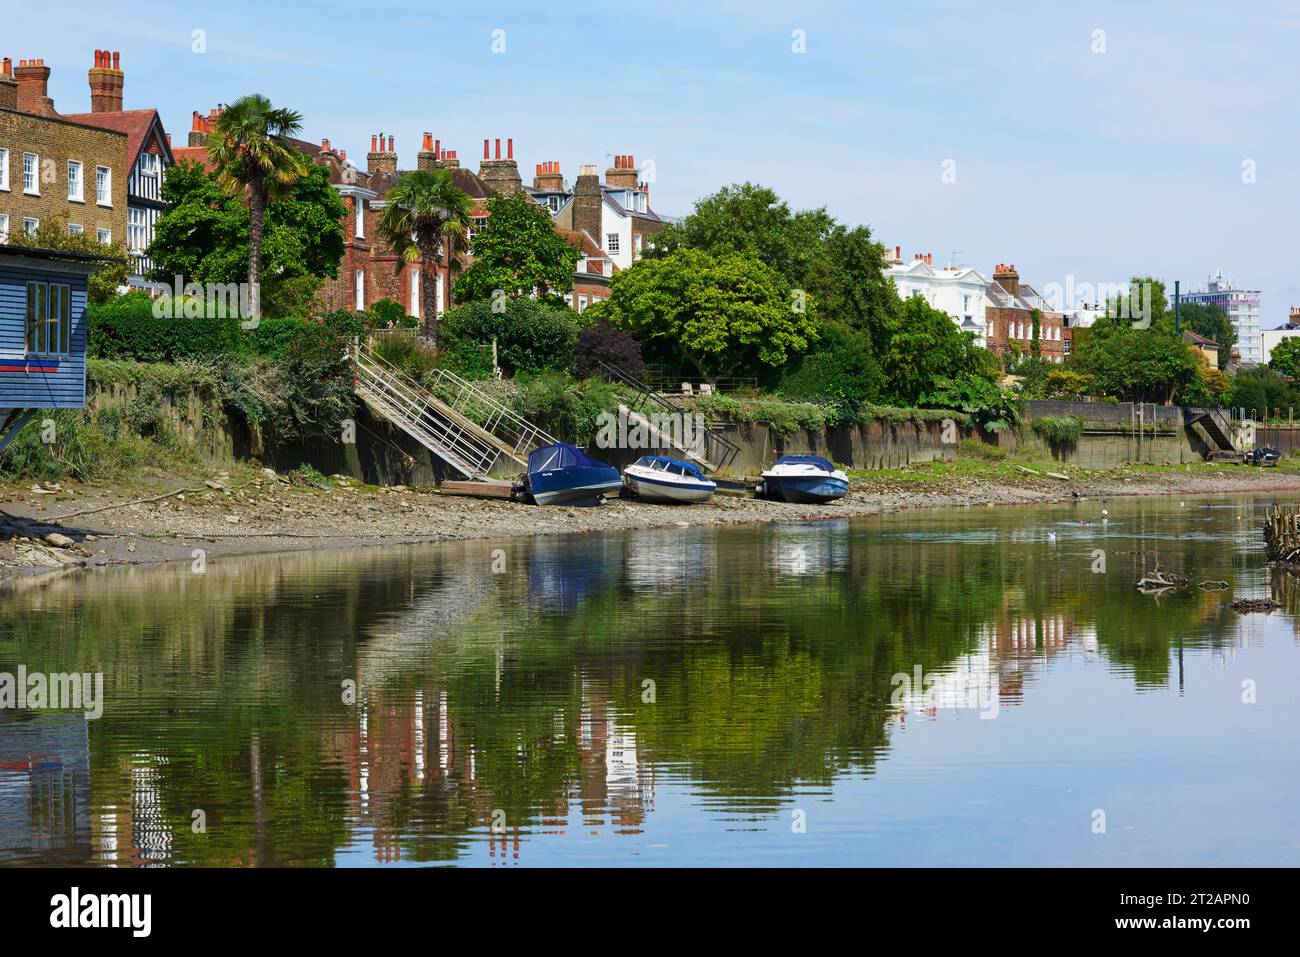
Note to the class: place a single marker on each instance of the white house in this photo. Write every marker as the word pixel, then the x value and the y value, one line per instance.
pixel 957 290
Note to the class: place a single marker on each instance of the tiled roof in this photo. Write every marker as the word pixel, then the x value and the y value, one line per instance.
pixel 464 180
pixel 134 123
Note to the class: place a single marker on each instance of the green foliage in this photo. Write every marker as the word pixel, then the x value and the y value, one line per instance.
pixel 126 328
pixel 602 343
pixel 718 314
pixel 518 252
pixel 992 408
pixel 973 448
pixel 387 314
pixel 532 335
pixel 1212 322
pixel 565 408
pixel 1058 430
pixel 925 348
pixel 103 283
pixel 1285 357
pixel 1261 388
pixel 204 237
pixel 840 369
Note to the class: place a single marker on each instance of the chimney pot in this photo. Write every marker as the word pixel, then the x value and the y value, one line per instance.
pixel 486 153
pixel 374 148
pixel 437 147
pixel 498 147
pixel 117 60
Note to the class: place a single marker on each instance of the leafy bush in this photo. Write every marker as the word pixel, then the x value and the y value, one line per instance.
pixel 840 369
pixel 972 448
pixel 273 337
pixel 126 328
pixel 992 408
pixel 603 343
pixel 387 314
pixel 1058 430
pixel 532 336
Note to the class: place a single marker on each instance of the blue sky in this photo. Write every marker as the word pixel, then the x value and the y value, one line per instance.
pixel 1066 161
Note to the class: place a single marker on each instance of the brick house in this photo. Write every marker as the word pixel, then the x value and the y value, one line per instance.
pixel 53 167
pixel 1009 318
pixel 148 149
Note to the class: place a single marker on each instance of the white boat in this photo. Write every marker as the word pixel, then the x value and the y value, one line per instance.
pixel 657 478
pixel 809 479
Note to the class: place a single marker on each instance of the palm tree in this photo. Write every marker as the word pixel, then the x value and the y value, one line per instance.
pixel 254 160
pixel 425 217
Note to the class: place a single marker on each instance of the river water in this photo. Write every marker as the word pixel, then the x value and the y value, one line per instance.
pixel 975 687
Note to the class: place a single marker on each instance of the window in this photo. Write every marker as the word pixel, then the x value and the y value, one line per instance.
pixel 74 229
pixel 611 243
pixel 104 236
pixel 151 175
pixel 49 318
pixel 582 302
pixel 4 227
pixel 359 217
pixel 30 182
pixel 30 225
pixel 415 293
pixel 74 182
pixel 636 246
pixel 4 170
pixel 360 279
pixel 103 186
pixel 136 232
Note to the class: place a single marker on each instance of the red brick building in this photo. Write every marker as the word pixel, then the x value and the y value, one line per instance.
pixel 1009 318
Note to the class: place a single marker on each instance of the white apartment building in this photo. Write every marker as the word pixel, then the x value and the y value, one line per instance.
pixel 1242 307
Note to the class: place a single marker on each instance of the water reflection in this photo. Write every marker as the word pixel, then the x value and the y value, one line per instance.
pixel 668 695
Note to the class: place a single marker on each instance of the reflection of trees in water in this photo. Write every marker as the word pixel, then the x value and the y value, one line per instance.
pixel 524 691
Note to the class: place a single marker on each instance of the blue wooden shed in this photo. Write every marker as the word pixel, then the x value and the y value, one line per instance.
pixel 42 332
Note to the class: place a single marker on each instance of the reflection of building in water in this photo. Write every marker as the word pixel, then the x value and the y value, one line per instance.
pixel 613 779
pixel 133 829
pixel 655 559
pixel 1007 651
pixel 812 549
pixel 44 787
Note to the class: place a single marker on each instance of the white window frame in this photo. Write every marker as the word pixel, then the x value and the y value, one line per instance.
pixel 137 221
pixel 104 191
pixel 30 225
pixel 611 242
pixel 359 284
pixel 34 173
pixel 76 182
pixel 416 279
pixel 582 302
pixel 4 170
pixel 104 236
pixel 75 229
pixel 4 227
pixel 360 214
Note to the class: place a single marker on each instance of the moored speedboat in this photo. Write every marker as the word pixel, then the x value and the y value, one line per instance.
pixel 657 478
pixel 562 474
pixel 807 479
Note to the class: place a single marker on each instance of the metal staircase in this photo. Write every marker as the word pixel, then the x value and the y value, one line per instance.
pixel 1217 426
pixel 714 451
pixel 469 430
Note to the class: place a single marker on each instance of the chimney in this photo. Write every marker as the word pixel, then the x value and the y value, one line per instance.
pixel 587 202
pixel 106 80
pixel 427 158
pixel 382 157
pixel 1007 277
pixel 500 175
pixel 8 86
pixel 33 81
pixel 201 126
pixel 449 160
pixel 549 177
pixel 623 173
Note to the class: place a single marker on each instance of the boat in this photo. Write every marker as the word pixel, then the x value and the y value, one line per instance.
pixel 657 478
pixel 562 474
pixel 808 479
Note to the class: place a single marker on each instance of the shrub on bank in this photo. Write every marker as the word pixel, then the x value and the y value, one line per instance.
pixel 126 328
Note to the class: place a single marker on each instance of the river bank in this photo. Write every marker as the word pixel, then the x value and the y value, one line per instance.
pixel 47 528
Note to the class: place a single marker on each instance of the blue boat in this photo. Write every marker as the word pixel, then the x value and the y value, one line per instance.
pixel 807 479
pixel 562 474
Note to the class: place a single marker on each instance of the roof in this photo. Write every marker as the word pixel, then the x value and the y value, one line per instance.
pixel 467 181
pixel 136 124
pixel 192 154
pixel 37 252
pixel 610 192
pixel 1197 339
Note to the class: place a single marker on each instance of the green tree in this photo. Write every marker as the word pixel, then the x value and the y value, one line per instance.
pixel 927 347
pixel 532 335
pixel 251 152
pixel 518 252
pixel 103 284
pixel 1285 357
pixel 1136 365
pixel 720 314
pixel 426 218
pixel 204 236
pixel 840 367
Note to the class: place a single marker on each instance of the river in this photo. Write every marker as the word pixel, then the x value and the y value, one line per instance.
pixel 980 686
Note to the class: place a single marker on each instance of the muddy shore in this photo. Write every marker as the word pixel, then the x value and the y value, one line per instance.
pixel 48 528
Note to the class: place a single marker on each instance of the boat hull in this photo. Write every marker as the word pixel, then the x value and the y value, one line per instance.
pixel 805 489
pixel 574 486
pixel 665 490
